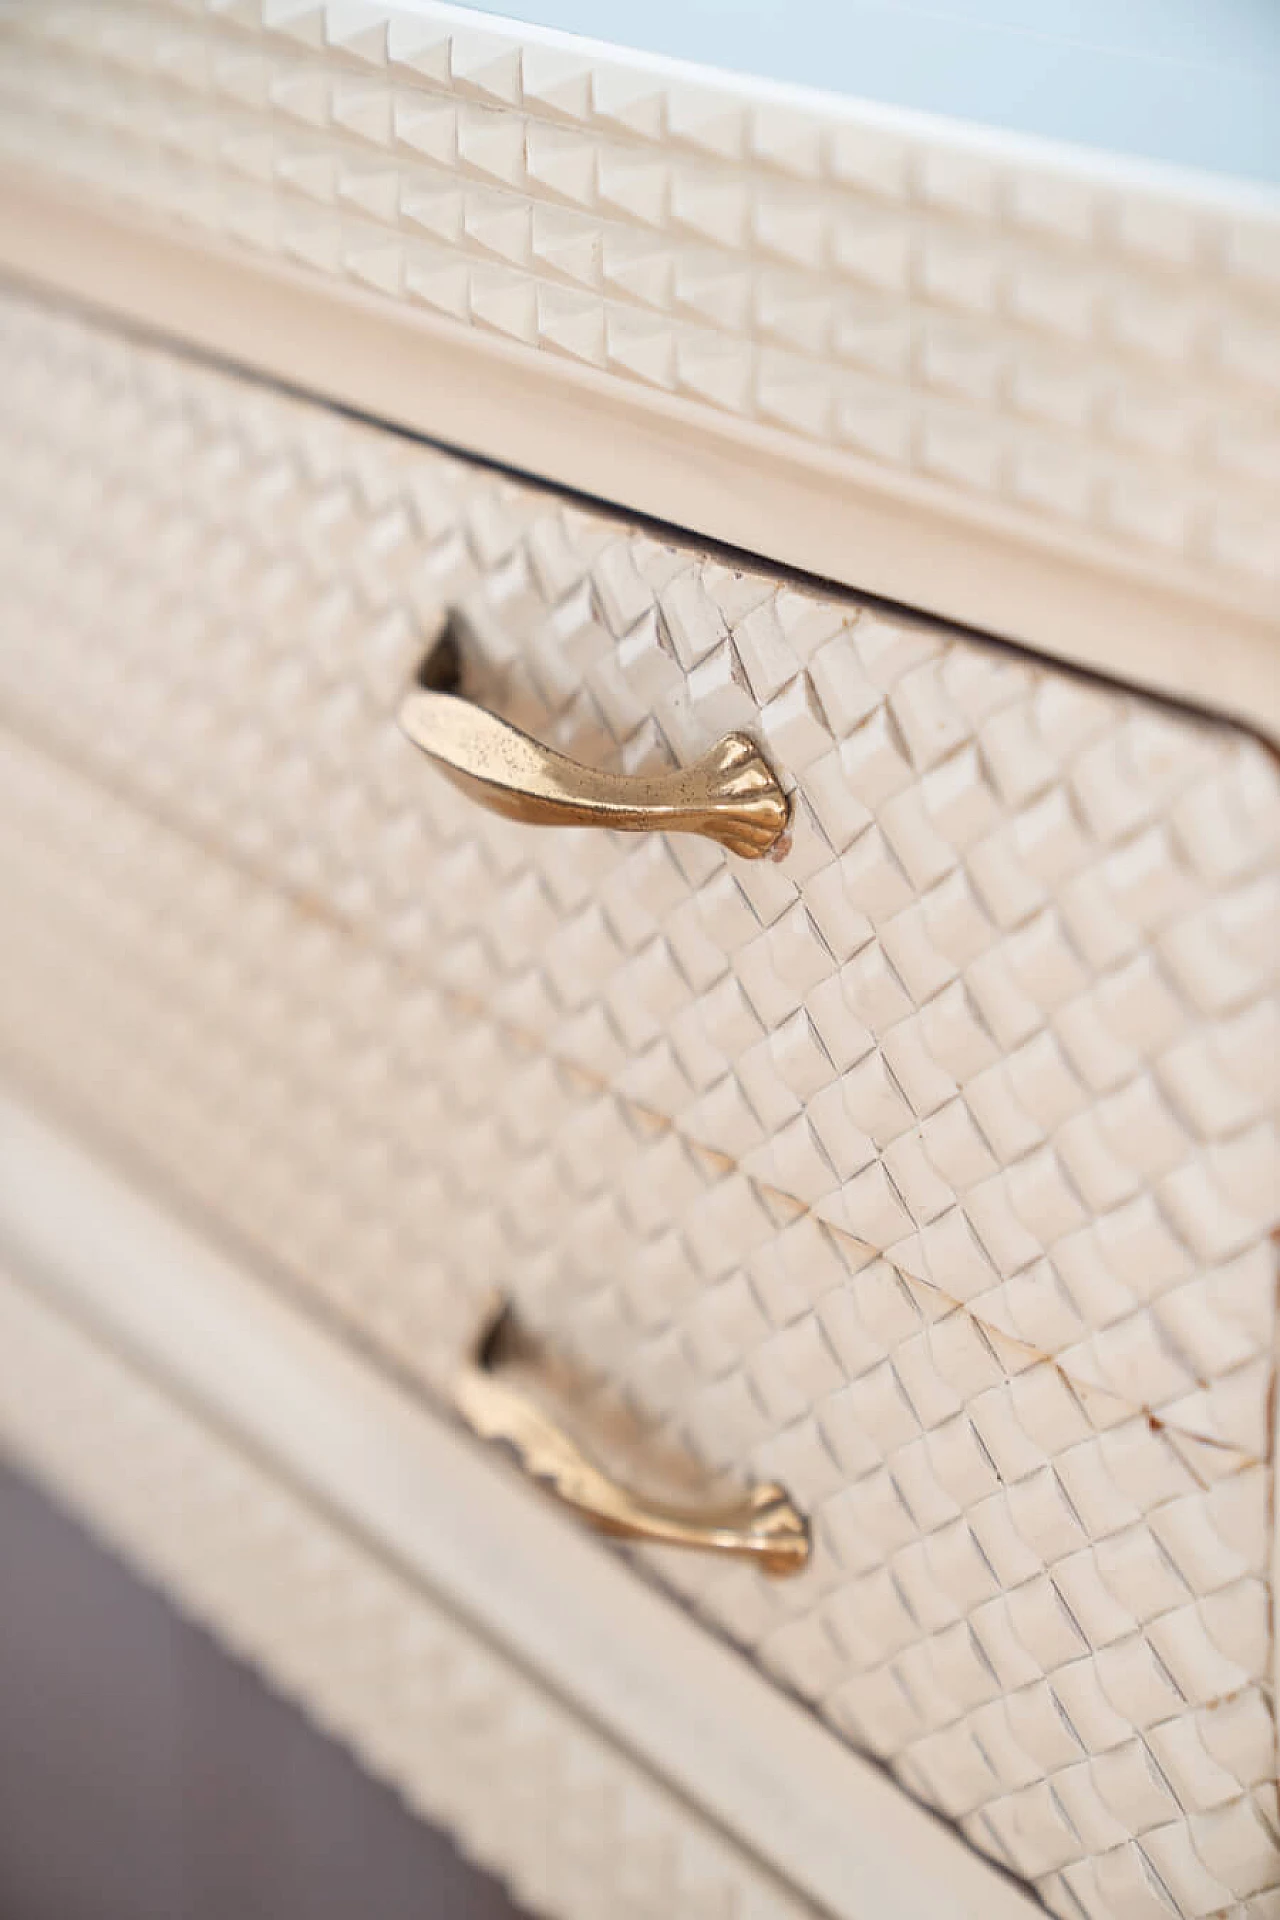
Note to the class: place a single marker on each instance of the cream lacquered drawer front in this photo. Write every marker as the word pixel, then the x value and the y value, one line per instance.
pixel 927 1170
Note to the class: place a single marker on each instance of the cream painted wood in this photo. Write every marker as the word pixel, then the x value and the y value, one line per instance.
pixel 331 1431
pixel 930 1171
pixel 1030 389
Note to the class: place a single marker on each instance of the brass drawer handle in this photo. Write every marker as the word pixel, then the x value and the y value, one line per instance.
pixel 763 1526
pixel 731 795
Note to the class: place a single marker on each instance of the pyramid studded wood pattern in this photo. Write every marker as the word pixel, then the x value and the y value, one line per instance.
pixel 930 1170
pixel 1016 333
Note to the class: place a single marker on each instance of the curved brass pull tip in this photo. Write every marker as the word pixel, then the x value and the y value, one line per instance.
pixel 763 1526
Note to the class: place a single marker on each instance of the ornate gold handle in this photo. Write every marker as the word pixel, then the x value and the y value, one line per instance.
pixel 731 795
pixel 763 1526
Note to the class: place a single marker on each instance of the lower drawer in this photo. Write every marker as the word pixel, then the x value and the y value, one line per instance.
pixel 572 1726
pixel 928 1171
pixel 530 1787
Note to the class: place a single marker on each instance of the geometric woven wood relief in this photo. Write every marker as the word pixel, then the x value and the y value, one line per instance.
pixel 929 1170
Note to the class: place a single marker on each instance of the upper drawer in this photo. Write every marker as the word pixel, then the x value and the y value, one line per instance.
pixel 928 1169
pixel 1029 388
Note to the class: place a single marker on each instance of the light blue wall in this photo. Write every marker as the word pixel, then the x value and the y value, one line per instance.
pixel 1191 82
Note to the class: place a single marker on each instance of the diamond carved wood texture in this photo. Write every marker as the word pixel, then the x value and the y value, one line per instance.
pixel 930 1171
pixel 1039 341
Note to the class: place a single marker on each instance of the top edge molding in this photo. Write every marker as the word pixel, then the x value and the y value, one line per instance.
pixel 1003 346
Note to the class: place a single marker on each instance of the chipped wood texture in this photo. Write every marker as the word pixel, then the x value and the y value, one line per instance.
pixel 930 1171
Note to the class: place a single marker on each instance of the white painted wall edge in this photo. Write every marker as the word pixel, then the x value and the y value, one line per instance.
pixel 1070 596
pixel 327 1421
